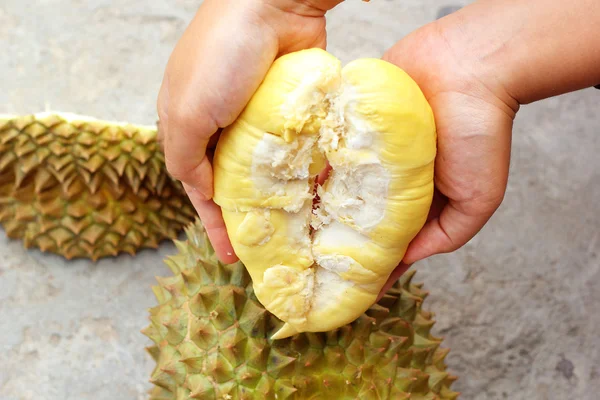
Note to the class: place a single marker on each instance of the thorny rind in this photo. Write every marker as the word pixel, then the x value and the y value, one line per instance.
pixel 211 341
pixel 80 187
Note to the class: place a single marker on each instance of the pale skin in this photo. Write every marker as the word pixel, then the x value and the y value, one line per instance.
pixel 475 67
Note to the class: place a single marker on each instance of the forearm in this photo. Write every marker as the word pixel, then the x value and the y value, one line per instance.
pixel 534 48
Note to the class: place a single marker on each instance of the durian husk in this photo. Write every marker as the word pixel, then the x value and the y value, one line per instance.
pixel 211 341
pixel 80 187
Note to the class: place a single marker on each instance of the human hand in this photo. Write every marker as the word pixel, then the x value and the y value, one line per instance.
pixel 474 117
pixel 210 77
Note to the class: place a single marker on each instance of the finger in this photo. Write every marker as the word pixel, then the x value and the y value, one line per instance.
pixel 471 171
pixel 447 233
pixel 185 151
pixel 394 276
pixel 212 220
pixel 201 169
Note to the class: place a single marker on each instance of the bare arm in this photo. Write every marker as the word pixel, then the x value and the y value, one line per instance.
pixel 535 48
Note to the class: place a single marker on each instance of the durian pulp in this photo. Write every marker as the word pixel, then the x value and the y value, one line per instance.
pixel 332 273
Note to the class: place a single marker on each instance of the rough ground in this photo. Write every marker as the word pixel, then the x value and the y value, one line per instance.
pixel 518 305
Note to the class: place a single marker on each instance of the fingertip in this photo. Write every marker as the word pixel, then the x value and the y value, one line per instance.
pixel 415 253
pixel 222 245
pixel 429 241
pixel 219 239
pixel 212 219
pixel 446 233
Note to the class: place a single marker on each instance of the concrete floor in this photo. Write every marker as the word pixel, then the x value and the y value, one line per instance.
pixel 518 305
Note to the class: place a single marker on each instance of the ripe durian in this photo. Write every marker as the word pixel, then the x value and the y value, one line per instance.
pixel 213 340
pixel 80 187
pixel 319 269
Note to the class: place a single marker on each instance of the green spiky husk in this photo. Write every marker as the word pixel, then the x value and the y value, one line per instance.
pixel 211 341
pixel 79 187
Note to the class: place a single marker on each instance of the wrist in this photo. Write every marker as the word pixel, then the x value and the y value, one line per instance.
pixel 481 70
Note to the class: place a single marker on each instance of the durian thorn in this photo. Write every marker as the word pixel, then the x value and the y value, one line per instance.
pixel 169 371
pixel 153 351
pixel 190 321
pixel 12 229
pixel 407 277
pixel 441 354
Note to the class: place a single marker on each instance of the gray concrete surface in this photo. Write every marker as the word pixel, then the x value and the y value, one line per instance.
pixel 518 305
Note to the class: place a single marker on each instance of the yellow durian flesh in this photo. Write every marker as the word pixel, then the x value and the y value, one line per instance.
pixel 374 126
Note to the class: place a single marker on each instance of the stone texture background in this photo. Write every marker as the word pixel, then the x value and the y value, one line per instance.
pixel 518 305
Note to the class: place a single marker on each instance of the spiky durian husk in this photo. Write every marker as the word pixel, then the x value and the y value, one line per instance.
pixel 80 187
pixel 212 341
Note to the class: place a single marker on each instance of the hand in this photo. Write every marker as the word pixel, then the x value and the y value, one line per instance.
pixel 474 117
pixel 212 74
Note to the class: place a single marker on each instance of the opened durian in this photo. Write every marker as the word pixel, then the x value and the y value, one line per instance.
pixel 80 187
pixel 212 341
pixel 319 269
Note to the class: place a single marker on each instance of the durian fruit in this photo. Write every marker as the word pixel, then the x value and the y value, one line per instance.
pixel 212 340
pixel 319 269
pixel 81 187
